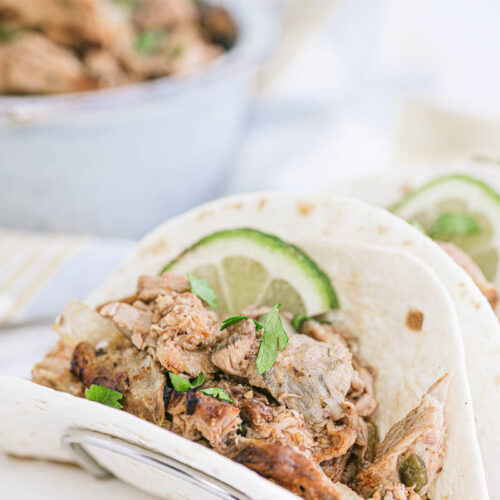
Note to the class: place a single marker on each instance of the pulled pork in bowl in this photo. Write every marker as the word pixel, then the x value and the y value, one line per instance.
pixel 51 47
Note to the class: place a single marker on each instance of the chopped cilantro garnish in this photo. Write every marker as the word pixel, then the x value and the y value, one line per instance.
pixel 299 319
pixel 202 289
pixel 181 384
pixel 149 41
pixel 8 33
pixel 198 380
pixel 235 319
pixel 128 4
pixel 103 395
pixel 217 392
pixel 274 336
pixel 454 224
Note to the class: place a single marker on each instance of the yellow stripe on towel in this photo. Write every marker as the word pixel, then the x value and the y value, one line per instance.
pixel 68 248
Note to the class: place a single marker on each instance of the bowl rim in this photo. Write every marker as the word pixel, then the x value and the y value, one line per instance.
pixel 255 34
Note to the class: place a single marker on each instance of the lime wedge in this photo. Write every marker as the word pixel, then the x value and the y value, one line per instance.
pixel 247 267
pixel 461 195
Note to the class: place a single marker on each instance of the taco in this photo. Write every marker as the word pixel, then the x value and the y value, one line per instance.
pixel 232 350
pixel 458 207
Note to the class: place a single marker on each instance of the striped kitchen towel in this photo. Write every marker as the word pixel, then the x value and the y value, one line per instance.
pixel 41 272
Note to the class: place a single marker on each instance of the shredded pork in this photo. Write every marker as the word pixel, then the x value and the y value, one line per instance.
pixel 55 46
pixel 305 423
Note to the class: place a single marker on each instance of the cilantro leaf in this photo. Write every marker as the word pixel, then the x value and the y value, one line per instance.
pixel 128 4
pixel 217 392
pixel 103 395
pixel 202 289
pixel 274 333
pixel 181 384
pixel 8 33
pixel 198 380
pixel 299 319
pixel 234 319
pixel 149 41
pixel 454 224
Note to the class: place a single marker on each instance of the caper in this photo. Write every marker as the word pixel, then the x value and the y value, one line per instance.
pixel 412 472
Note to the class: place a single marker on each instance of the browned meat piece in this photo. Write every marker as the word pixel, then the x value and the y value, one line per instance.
pixel 234 354
pixel 308 376
pixel 132 372
pixel 184 336
pixel 72 23
pixel 175 328
pixel 277 425
pixel 341 435
pixel 362 393
pixel 420 434
pixel 149 287
pixel 324 332
pixel 471 268
pixel 104 69
pixel 334 468
pixel 185 362
pixel 197 415
pixel 362 386
pixel 32 64
pixel 288 468
pixel 217 25
pixel 159 13
pixel 55 370
pixel 193 326
pixel 179 50
pixel 135 323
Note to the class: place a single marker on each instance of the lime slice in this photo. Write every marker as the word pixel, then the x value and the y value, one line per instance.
pixel 460 194
pixel 247 267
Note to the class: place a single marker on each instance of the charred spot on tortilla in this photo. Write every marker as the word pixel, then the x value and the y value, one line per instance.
pixel 414 319
pixel 304 208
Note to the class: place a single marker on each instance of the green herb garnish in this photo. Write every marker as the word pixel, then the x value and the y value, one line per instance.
pixel 217 392
pixel 103 395
pixel 454 224
pixel 127 4
pixel 181 384
pixel 202 289
pixel 299 319
pixel 274 336
pixel 148 41
pixel 235 319
pixel 8 33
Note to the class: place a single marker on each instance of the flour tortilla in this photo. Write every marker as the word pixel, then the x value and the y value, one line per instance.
pixel 394 185
pixel 376 288
pixel 293 217
pixel 481 335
